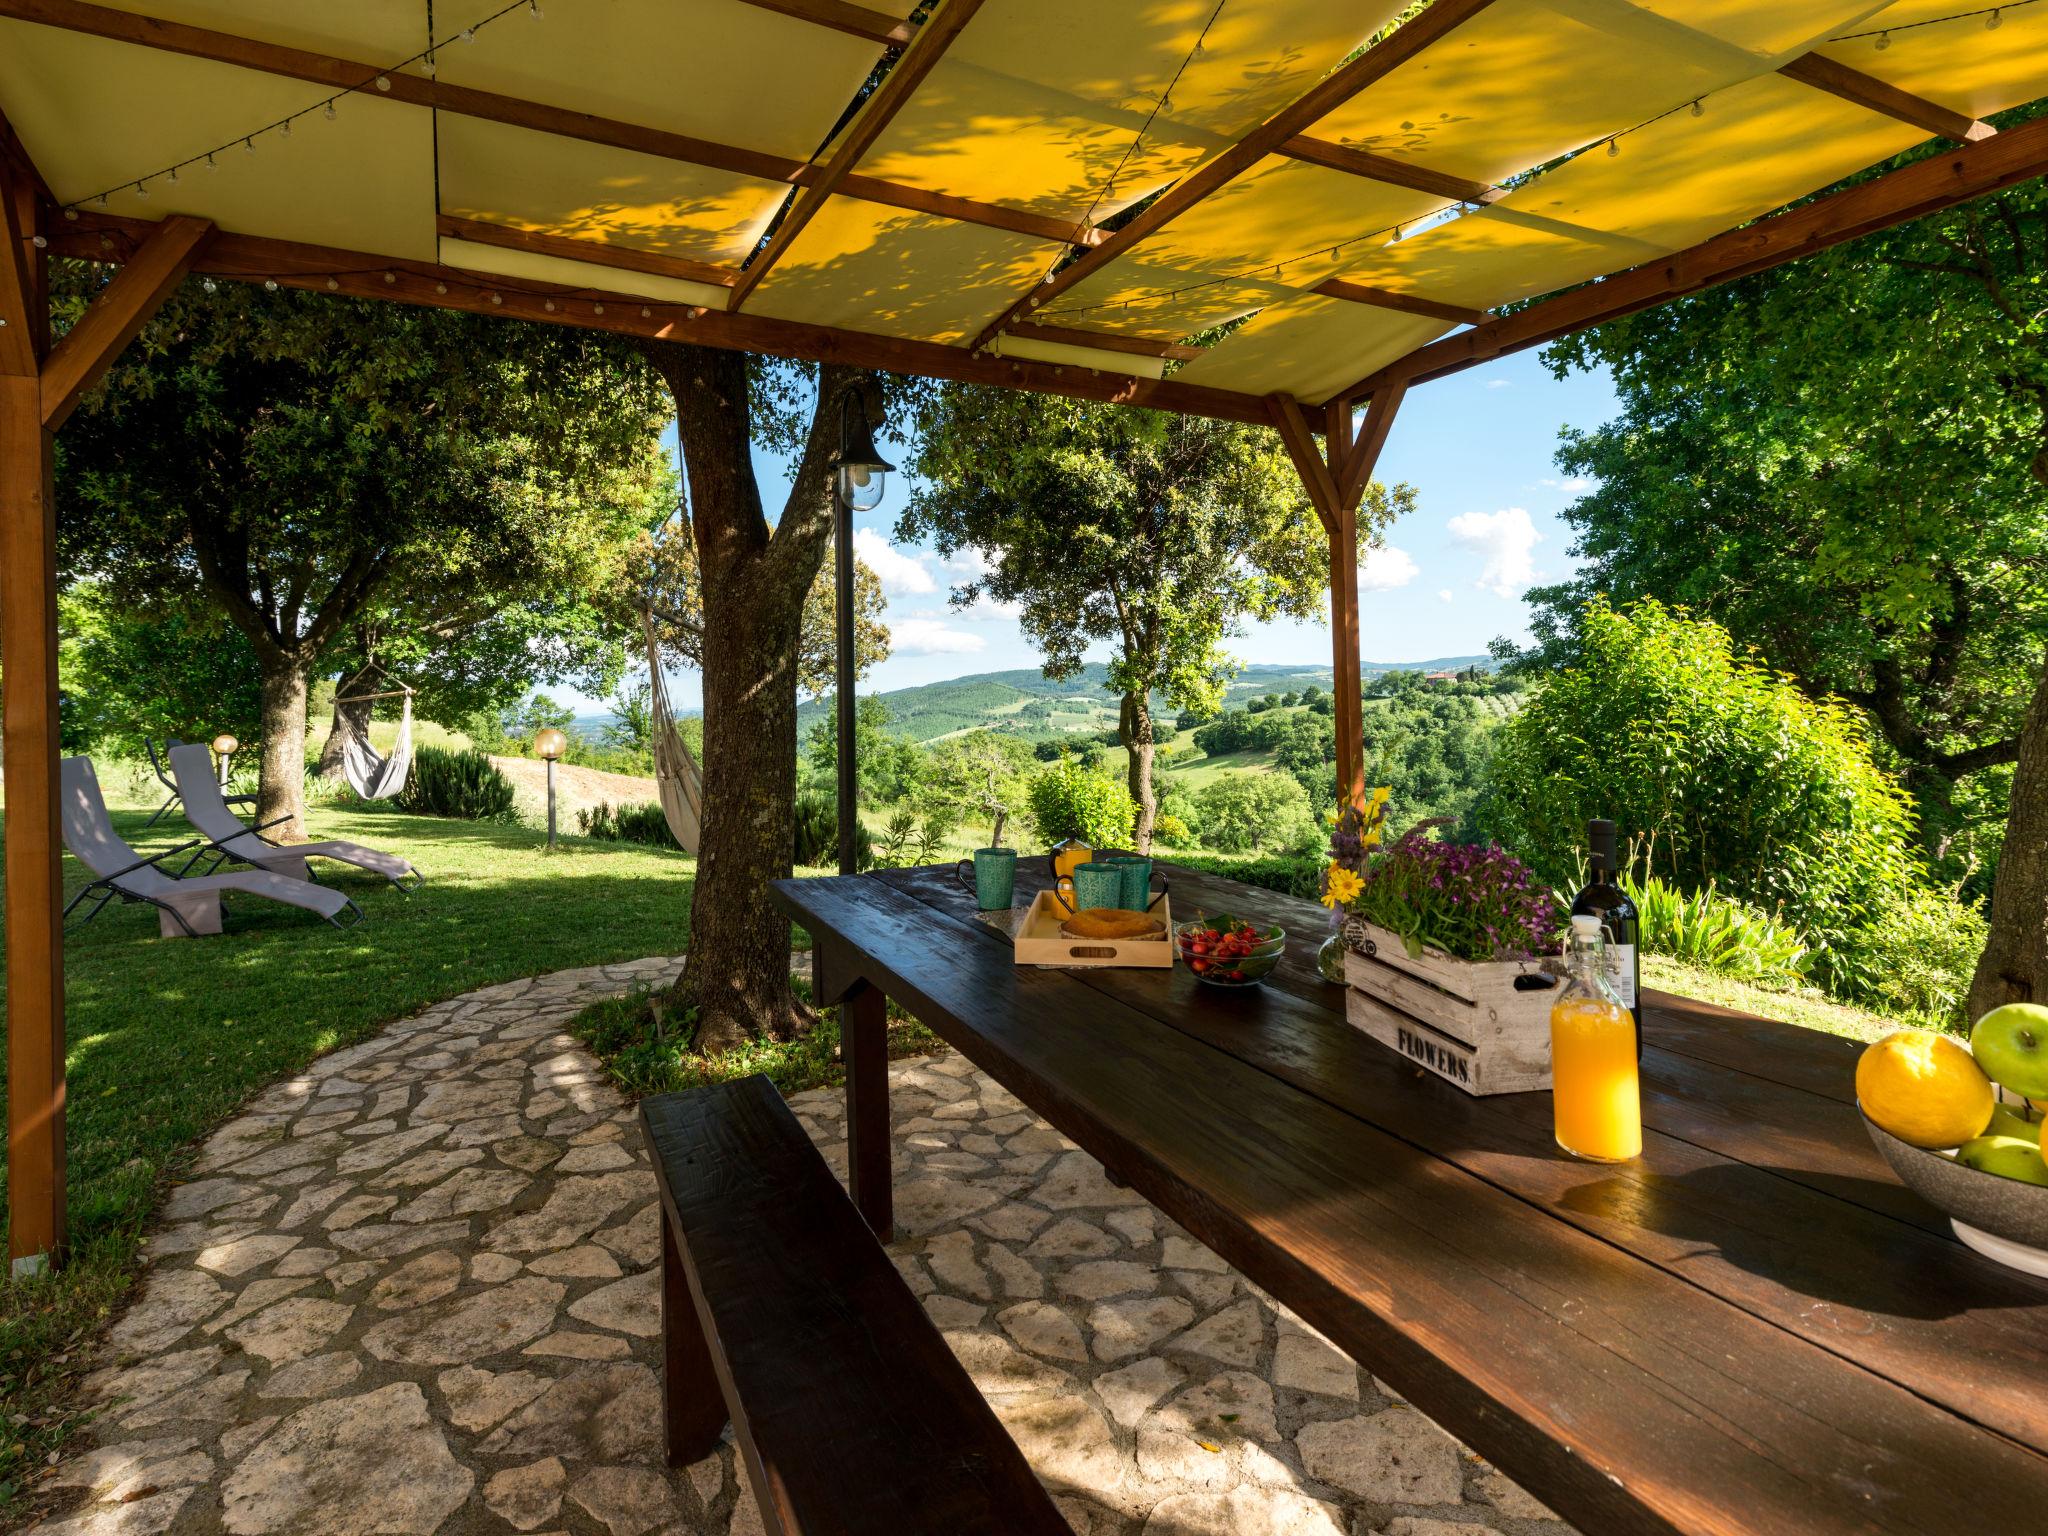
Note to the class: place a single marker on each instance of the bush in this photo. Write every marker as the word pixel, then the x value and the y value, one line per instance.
pixel 464 785
pixel 628 824
pixel 1716 932
pixel 1071 800
pixel 1913 958
pixel 1253 812
pixel 816 834
pixel 1291 874
pixel 1725 771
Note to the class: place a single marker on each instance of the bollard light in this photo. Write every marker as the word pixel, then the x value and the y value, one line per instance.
pixel 224 747
pixel 548 745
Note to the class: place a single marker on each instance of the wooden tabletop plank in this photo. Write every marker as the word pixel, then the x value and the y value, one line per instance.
pixel 1625 1397
pixel 1917 1308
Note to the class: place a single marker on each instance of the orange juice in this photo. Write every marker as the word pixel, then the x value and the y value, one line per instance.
pixel 1598 1100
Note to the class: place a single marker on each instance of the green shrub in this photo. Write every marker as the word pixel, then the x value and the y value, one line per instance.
pixel 1727 774
pixel 1254 812
pixel 1914 958
pixel 1716 932
pixel 1291 874
pixel 816 834
pixel 627 824
pixel 1171 830
pixel 464 785
pixel 1069 799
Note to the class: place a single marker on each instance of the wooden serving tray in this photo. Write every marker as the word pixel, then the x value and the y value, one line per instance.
pixel 1039 942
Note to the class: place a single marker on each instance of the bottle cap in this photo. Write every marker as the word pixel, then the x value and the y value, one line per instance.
pixel 1585 927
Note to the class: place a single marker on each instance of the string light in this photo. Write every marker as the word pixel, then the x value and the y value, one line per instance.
pixel 440 287
pixel 381 81
pixel 597 309
pixel 1994 17
pixel 390 278
pixel 210 285
pixel 1993 21
pixel 270 285
pixel 496 300
pixel 141 191
pixel 1699 109
pixel 334 285
pixel 1884 41
pixel 1613 148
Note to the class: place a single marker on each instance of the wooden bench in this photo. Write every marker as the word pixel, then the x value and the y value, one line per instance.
pixel 782 1313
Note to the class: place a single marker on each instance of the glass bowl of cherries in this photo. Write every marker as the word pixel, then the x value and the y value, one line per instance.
pixel 1227 951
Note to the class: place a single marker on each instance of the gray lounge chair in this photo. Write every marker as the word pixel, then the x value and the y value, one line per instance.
pixel 163 777
pixel 240 843
pixel 184 907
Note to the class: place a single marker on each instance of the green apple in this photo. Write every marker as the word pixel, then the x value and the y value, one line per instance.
pixel 2010 1157
pixel 2011 1045
pixel 2011 1120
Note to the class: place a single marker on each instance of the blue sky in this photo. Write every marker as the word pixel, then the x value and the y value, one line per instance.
pixel 1478 448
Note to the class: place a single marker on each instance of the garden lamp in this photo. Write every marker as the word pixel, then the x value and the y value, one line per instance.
pixel 548 745
pixel 224 747
pixel 859 473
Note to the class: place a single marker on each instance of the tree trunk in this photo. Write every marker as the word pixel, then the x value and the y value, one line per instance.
pixel 351 716
pixel 2014 967
pixel 282 791
pixel 754 580
pixel 1134 724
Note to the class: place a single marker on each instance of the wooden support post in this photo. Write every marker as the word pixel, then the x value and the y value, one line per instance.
pixel 28 654
pixel 864 1047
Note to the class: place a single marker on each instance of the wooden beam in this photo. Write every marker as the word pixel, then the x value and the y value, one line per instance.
pixel 1106 341
pixel 28 759
pixel 1309 463
pixel 854 20
pixel 1875 95
pixel 1332 91
pixel 1913 191
pixel 868 125
pixel 248 258
pixel 1364 454
pixel 1394 173
pixel 596 252
pixel 123 307
pixel 490 106
pixel 1388 298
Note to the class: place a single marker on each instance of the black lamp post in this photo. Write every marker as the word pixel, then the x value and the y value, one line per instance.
pixel 858 475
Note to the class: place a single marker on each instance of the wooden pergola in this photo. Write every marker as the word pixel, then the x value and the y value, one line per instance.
pixel 1298 212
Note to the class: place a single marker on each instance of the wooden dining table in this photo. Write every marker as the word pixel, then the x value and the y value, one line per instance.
pixel 1752 1328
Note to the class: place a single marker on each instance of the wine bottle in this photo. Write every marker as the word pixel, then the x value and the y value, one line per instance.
pixel 1605 899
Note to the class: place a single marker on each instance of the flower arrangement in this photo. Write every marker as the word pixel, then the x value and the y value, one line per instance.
pixel 1472 903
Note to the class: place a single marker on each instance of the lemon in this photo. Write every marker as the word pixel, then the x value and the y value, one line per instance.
pixel 1924 1088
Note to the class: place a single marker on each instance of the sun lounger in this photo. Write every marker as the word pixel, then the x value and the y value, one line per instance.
pixel 185 907
pixel 237 841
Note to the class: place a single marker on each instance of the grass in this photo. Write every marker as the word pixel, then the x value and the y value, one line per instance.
pixel 1802 1006
pixel 166 1038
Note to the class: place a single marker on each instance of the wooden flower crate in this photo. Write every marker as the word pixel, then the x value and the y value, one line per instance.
pixel 1464 1020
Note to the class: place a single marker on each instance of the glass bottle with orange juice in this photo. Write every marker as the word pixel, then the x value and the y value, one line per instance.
pixel 1596 1095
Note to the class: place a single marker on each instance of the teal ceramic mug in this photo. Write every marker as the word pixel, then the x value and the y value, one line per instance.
pixel 994 880
pixel 1135 874
pixel 1097 883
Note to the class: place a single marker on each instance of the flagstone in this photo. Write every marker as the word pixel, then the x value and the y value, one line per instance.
pixel 373 1465
pixel 631 1305
pixel 528 1496
pixel 172 1304
pixel 584 1263
pixel 314 1376
pixel 469 1329
pixel 292 1329
pixel 418 1281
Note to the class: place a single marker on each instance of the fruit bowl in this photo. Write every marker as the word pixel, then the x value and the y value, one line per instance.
pixel 1227 951
pixel 2003 1219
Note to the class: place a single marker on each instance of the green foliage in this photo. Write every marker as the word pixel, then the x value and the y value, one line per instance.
pixel 464 785
pixel 1070 800
pixel 1912 957
pixel 1431 746
pixel 626 824
pixel 1254 812
pixel 1291 874
pixel 887 767
pixel 1724 771
pixel 1841 461
pixel 816 834
pixel 1715 932
pixel 1162 535
pixel 174 669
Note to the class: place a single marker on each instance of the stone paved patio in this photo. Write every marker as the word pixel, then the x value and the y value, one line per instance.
pixel 415 1290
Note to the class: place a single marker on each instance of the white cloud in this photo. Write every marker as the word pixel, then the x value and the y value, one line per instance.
pixel 1444 594
pixel 1508 540
pixel 1500 383
pixel 1576 485
pixel 899 573
pixel 1386 568
pixel 930 637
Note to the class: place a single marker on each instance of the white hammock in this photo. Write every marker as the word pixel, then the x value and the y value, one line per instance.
pixel 676 774
pixel 371 776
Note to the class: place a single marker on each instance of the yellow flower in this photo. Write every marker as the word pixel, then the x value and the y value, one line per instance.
pixel 1382 796
pixel 1371 839
pixel 1340 885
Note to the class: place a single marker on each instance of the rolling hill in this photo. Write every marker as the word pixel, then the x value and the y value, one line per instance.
pixel 1025 703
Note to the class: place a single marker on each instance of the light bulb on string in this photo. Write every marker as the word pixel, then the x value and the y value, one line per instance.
pixel 440 287
pixel 270 285
pixel 469 34
pixel 1994 21
pixel 328 112
pixel 284 130
pixel 1613 148
pixel 334 285
pixel 495 299
pixel 211 163
pixel 597 309
pixel 534 6
pixel 173 177
pixel 210 285
pixel 249 146
pixel 646 313
pixel 1884 41
pixel 1698 110
pixel 141 191
pixel 383 82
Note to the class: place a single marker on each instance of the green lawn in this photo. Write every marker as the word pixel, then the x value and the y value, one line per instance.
pixel 167 1037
